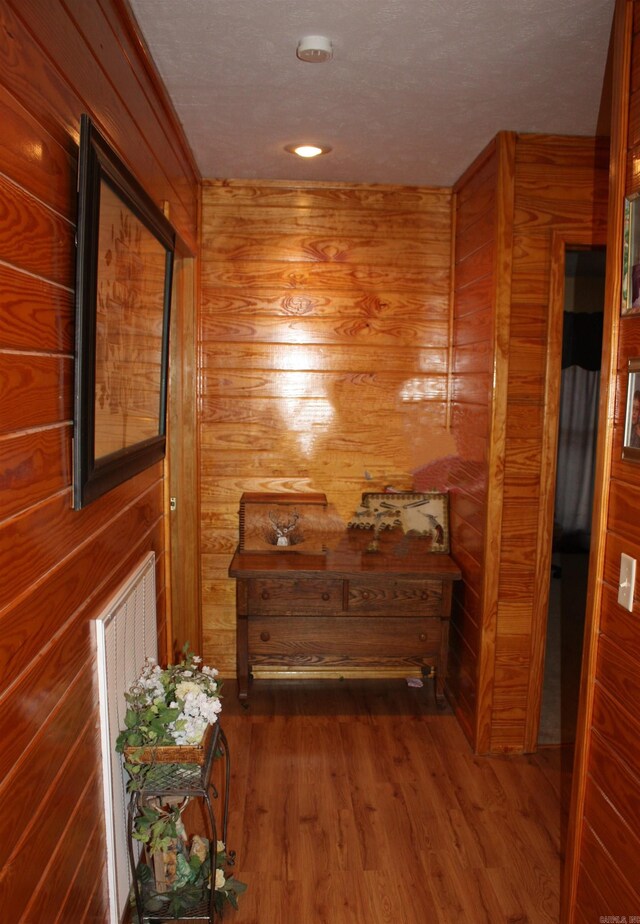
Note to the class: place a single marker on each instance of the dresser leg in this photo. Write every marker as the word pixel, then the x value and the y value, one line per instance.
pixel 242 657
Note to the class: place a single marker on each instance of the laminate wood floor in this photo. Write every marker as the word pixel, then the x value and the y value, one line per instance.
pixel 361 803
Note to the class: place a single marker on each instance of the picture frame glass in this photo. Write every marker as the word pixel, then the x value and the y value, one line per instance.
pixel 631 256
pixel 129 329
pixel 631 438
pixel 124 268
pixel 419 514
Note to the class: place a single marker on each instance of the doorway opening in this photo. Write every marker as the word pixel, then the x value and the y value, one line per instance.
pixel 584 274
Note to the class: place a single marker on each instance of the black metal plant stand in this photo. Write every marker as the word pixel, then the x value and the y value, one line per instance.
pixel 185 781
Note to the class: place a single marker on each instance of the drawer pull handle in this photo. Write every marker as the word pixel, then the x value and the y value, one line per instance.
pixel 265 636
pixel 326 596
pixel 365 594
pixel 265 594
pixel 424 595
pixel 422 637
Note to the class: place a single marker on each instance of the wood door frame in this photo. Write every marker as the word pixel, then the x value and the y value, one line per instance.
pixel 561 241
pixel 182 496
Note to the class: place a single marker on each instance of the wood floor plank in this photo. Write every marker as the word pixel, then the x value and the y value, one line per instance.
pixel 359 802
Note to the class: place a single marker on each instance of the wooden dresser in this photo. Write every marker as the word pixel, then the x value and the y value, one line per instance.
pixel 348 612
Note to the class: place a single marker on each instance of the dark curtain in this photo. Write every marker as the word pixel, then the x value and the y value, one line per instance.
pixel 581 355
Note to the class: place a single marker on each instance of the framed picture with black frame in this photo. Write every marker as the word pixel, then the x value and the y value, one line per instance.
pixel 631 439
pixel 124 266
pixel 631 256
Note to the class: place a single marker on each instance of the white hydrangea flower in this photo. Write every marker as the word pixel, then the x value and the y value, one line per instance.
pixel 187 688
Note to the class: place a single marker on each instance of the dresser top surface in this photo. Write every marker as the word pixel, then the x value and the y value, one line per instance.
pixel 399 555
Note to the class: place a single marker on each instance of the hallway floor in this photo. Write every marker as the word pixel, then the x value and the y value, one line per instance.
pixel 361 803
pixel 563 653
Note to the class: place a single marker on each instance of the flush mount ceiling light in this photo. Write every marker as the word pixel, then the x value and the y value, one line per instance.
pixel 314 49
pixel 307 150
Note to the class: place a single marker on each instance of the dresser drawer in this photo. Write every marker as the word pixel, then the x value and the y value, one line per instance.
pixel 334 641
pixel 305 596
pixel 400 597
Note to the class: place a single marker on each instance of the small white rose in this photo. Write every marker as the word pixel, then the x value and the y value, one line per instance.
pixel 220 880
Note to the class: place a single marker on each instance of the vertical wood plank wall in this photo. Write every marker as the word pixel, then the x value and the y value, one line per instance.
pixel 324 345
pixel 560 184
pixel 471 401
pixel 59 566
pixel 502 282
pixel 602 870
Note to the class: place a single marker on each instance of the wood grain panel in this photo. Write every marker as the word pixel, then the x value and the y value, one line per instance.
pixel 33 466
pixel 26 539
pixel 302 196
pixel 430 225
pixel 38 163
pixel 85 579
pixel 33 237
pixel 612 889
pixel 116 98
pixel 475 265
pixel 617 783
pixel 333 358
pixel 472 335
pixel 337 304
pixel 324 343
pixel 616 544
pixel 475 236
pixel 34 315
pixel 563 151
pixel 624 502
pixel 37 388
pixel 59 565
pixel 601 869
pixel 325 277
pixel 119 44
pixel 618 673
pixel 473 299
pixel 64 865
pixel 77 905
pixel 247 247
pixel 619 624
pixel 355 332
pixel 558 183
pixel 46 767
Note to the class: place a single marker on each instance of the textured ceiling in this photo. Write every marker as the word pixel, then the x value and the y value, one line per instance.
pixel 415 90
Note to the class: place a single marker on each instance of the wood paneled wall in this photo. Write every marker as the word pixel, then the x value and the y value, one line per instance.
pixel 324 350
pixel 603 872
pixel 481 289
pixel 59 566
pixel 511 204
pixel 560 187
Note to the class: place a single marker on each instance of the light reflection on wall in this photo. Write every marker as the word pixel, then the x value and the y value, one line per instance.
pixel 415 390
pixel 306 411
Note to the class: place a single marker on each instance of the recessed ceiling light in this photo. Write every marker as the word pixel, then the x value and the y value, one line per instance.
pixel 307 150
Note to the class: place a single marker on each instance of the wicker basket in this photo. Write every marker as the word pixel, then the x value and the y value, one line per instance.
pixel 171 754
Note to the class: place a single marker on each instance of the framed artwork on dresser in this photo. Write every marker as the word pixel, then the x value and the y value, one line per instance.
pixel 424 514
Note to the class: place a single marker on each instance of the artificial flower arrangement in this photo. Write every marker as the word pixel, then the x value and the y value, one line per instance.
pixel 172 707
